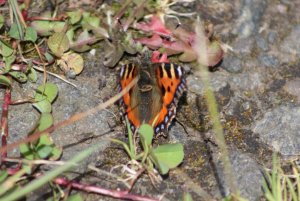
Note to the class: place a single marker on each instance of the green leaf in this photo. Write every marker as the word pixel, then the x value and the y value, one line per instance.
pixel 58 26
pixel 75 197
pixel 49 175
pixel 187 197
pixel 167 156
pixel 70 34
pixel 74 16
pixel 49 57
pixel 26 151
pixel 4 80
pixel 43 106
pixel 45 121
pixel 44 151
pixel 32 75
pixel 30 34
pixel 1 21
pixel 3 175
pixel 5 49
pixel 8 61
pixel 56 153
pixel 49 90
pixel 42 27
pixel 77 45
pixel 14 32
pixel 45 139
pixel 73 61
pixel 58 43
pixel 21 77
pixel 146 133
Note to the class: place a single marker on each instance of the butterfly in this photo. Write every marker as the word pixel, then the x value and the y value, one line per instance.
pixel 154 98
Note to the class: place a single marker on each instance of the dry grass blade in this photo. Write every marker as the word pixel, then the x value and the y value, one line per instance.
pixel 202 54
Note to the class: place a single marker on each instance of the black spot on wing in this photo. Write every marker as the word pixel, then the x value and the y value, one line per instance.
pixel 168 70
pixel 130 68
pixel 163 90
pixel 176 71
pixel 161 73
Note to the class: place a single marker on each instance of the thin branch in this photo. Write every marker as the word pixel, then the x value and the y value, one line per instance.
pixel 99 190
pixel 55 75
pixel 4 119
pixel 34 162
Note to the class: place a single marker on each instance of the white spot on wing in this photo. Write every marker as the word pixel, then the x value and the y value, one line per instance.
pixel 166 119
pixel 122 71
pixel 179 71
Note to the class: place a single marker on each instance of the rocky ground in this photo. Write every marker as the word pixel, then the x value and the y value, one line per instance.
pixel 257 87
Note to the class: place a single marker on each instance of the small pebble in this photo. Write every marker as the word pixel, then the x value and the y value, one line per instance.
pixel 262 44
pixel 268 60
pixel 232 64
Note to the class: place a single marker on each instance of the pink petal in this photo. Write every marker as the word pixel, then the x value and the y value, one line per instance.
pixel 163 59
pixel 155 26
pixel 153 43
pixel 2 2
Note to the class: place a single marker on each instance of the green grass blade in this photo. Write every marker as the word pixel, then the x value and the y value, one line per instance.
pixel 50 175
pixel 291 189
pixel 14 6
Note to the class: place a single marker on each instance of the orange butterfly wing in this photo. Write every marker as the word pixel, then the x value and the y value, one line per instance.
pixel 171 81
pixel 127 74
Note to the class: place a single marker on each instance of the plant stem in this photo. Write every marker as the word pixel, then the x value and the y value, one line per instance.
pixel 4 120
pixel 99 190
pixel 212 105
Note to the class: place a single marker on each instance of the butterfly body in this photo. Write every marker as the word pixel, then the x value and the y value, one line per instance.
pixel 154 98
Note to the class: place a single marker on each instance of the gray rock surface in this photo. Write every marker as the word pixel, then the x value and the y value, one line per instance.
pixel 247 173
pixel 291 44
pixel 279 129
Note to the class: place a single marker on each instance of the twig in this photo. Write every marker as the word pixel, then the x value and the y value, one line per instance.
pixel 55 75
pixel 72 119
pixel 4 120
pixel 35 162
pixel 99 190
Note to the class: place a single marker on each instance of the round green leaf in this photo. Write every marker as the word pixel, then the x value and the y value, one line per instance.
pixel 44 151
pixel 26 151
pixel 21 77
pixel 8 61
pixel 49 57
pixel 49 90
pixel 146 133
pixel 43 106
pixel 74 16
pixel 42 27
pixel 187 197
pixel 45 121
pixel 30 34
pixel 32 75
pixel 58 26
pixel 58 43
pixel 167 156
pixel 73 61
pixel 5 49
pixel 14 31
pixel 4 80
pixel 56 153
